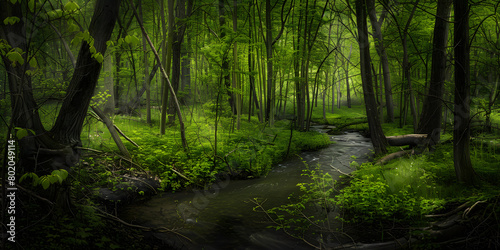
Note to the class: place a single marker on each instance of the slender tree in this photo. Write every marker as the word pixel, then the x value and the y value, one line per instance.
pixel 430 122
pixel 382 53
pixel 377 135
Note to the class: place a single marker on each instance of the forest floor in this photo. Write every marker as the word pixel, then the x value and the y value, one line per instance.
pixel 414 196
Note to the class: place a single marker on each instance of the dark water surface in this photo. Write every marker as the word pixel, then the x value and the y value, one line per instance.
pixel 222 217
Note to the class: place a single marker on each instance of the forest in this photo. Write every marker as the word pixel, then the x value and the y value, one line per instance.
pixel 256 124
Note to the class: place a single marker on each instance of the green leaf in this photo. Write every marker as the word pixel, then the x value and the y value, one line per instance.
pixel 11 20
pixel 31 175
pixel 132 40
pixel 33 63
pixel 99 57
pixel 71 6
pixel 45 182
pixel 73 27
pixel 77 39
pixel 21 133
pixel 31 5
pixel 63 173
pixel 92 50
pixel 54 14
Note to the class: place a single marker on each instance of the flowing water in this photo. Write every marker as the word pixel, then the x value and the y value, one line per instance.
pixel 222 217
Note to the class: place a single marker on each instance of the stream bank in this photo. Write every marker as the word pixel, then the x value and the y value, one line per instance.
pixel 222 217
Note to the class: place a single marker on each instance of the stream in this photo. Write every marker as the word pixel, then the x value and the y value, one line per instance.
pixel 222 217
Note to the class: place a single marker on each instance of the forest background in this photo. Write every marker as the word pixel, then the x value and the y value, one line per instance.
pixel 198 89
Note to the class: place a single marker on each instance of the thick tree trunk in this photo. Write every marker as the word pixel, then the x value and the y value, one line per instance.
pixel 430 122
pixel 377 135
pixel 461 133
pixel 55 150
pixel 69 123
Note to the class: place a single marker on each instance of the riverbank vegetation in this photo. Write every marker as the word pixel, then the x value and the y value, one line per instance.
pixel 412 200
pixel 101 97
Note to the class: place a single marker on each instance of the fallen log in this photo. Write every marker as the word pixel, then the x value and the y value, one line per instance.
pixel 340 127
pixel 393 156
pixel 404 140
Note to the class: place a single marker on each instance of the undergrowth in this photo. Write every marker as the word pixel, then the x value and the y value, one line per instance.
pixel 245 153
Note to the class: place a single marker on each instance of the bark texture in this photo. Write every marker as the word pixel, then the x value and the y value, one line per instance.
pixel 430 122
pixel 377 135
pixel 461 133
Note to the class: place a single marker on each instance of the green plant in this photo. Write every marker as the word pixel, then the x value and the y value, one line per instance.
pixel 46 180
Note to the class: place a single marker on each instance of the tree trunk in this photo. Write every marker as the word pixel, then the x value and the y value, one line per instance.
pixel 178 37
pixel 109 106
pixel 225 61
pixel 69 123
pixel 164 73
pixel 384 59
pixel 406 68
pixel 55 149
pixel 430 122
pixel 186 71
pixel 235 68
pixel 461 133
pixel 147 79
pixel 112 131
pixel 166 60
pixel 347 78
pixel 377 135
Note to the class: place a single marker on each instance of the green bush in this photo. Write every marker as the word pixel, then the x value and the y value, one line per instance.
pixel 210 109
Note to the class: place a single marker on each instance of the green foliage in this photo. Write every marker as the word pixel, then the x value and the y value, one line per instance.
pixel 46 180
pixel 11 20
pixel 100 98
pixel 85 36
pixel 15 56
pixel 23 132
pixel 296 215
pixel 210 109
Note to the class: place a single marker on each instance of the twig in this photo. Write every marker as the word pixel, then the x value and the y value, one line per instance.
pixel 338 170
pixel 158 229
pixel 124 136
pixel 449 213
pixel 175 171
pixel 90 149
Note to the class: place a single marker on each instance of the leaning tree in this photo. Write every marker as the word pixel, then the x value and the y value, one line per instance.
pixel 43 151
